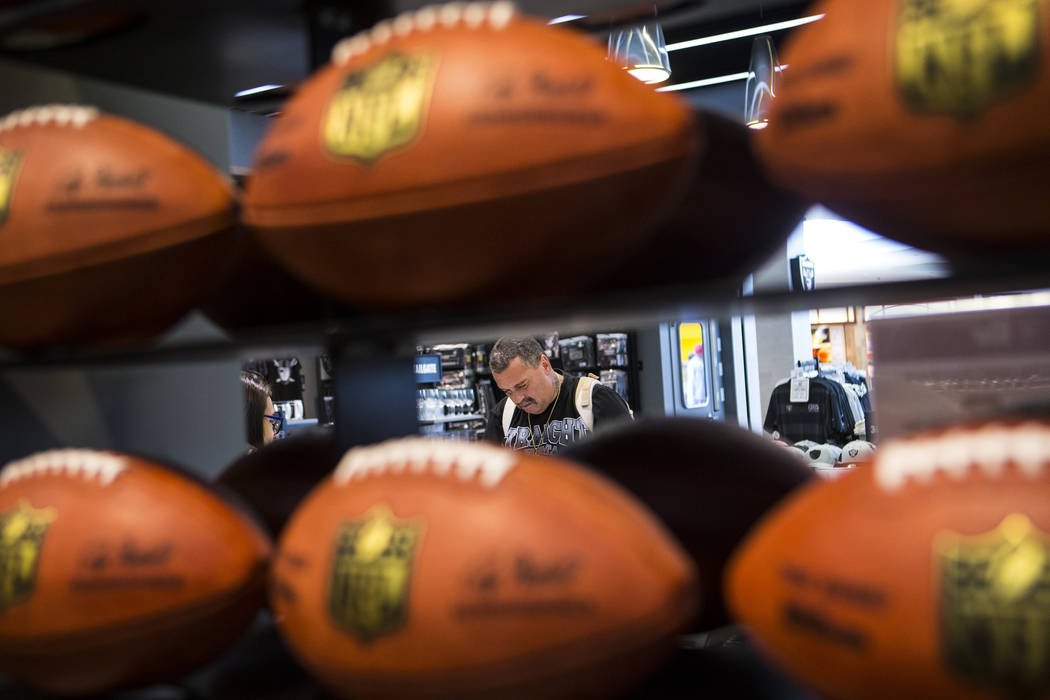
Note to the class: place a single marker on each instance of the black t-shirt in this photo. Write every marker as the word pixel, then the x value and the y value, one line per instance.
pixel 559 424
pixel 825 417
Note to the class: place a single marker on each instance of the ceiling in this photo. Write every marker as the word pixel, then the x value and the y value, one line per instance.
pixel 208 51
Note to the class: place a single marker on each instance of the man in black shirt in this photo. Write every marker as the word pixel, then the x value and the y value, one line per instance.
pixel 544 410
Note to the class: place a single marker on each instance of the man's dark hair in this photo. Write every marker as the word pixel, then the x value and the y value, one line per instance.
pixel 509 347
pixel 256 391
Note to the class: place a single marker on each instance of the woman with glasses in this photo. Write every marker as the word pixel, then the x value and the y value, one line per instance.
pixel 264 423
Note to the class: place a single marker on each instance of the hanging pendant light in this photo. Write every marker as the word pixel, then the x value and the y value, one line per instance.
pixel 642 52
pixel 761 79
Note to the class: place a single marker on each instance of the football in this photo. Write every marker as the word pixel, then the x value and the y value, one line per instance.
pixel 259 293
pixel 426 568
pixel 719 214
pixel 274 479
pixel 711 483
pixel 925 573
pixel 107 227
pixel 917 120
pixel 118 571
pixel 440 145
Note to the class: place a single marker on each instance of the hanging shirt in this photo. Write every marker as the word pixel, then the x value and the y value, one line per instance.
pixel 824 418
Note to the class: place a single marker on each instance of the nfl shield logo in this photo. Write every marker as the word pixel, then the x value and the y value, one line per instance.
pixel 22 533
pixel 995 607
pixel 9 163
pixel 957 57
pixel 371 574
pixel 381 108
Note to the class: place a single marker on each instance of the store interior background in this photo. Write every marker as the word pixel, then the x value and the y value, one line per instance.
pixel 185 406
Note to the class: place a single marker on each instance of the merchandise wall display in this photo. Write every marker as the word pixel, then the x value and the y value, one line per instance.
pixel 453 407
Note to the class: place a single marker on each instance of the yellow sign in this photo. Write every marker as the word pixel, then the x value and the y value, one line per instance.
pixel 22 533
pixel 995 606
pixel 694 377
pixel 371 573
pixel 9 164
pixel 691 337
pixel 957 57
pixel 381 108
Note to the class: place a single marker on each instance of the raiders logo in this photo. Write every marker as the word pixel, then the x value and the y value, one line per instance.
pixel 22 532
pixel 957 57
pixel 381 108
pixel 9 165
pixel 995 606
pixel 371 574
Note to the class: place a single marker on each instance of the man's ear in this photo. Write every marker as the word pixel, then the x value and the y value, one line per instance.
pixel 545 365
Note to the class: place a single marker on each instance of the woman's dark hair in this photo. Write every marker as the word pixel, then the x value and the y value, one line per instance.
pixel 256 391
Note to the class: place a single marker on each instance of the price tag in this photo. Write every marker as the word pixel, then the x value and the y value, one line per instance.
pixel 800 390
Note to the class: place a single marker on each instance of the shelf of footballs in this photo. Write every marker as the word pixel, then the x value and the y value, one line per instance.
pixel 371 353
pixel 726 219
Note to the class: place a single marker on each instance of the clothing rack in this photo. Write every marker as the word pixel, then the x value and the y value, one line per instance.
pixel 837 410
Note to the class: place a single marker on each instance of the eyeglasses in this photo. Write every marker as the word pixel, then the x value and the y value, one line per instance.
pixel 276 423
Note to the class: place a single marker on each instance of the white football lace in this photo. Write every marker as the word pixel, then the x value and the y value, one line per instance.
pixel 59 115
pixel 87 464
pixel 464 461
pixel 953 453
pixel 473 15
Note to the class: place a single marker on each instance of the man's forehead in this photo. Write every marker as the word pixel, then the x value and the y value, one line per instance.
pixel 516 372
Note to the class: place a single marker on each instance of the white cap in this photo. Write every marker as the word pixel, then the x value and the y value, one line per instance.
pixel 826 454
pixel 855 450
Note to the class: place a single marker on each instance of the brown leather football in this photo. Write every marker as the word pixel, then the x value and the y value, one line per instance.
pixel 117 571
pixel 111 230
pixel 427 568
pixel 924 574
pixel 920 120
pixel 461 150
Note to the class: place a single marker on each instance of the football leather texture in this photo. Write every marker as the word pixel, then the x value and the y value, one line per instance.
pixel 112 230
pixel 118 571
pixel 424 568
pixel 925 573
pixel 447 153
pixel 919 120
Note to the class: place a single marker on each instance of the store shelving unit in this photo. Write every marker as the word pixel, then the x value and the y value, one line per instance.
pixel 581 313
pixel 370 362
pixel 454 419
